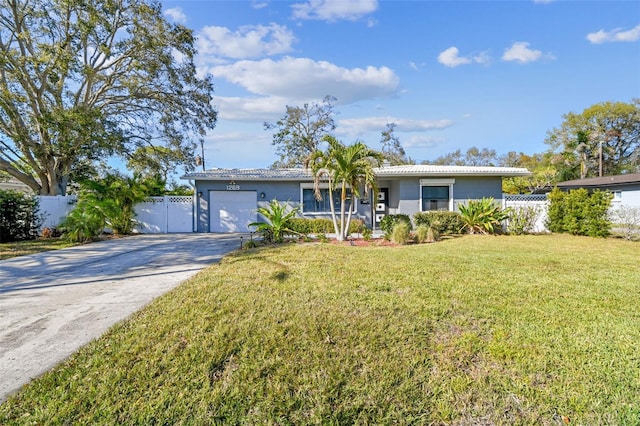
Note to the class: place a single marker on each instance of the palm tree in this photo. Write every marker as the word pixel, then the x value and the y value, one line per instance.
pixel 345 168
pixel 277 220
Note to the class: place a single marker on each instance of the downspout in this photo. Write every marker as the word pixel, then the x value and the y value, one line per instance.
pixel 194 227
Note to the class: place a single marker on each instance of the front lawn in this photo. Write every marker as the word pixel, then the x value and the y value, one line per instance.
pixel 23 248
pixel 471 330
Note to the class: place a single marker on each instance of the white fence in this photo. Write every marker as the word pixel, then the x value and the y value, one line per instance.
pixel 156 215
pixel 55 208
pixel 161 215
pixel 536 201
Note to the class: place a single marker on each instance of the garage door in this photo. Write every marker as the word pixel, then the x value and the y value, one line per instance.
pixel 232 211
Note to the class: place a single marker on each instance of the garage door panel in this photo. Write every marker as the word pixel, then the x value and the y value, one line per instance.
pixel 232 211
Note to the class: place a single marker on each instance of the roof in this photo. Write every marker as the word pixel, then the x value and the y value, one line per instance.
pixel 603 181
pixel 297 174
pixel 15 185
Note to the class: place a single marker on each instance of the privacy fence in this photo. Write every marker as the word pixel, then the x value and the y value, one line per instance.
pixel 155 215
pixel 537 202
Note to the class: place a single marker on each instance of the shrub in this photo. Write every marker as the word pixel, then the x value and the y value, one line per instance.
pixel 522 220
pixel 84 223
pixel 277 216
pixel 628 218
pixel 391 220
pixel 19 218
pixel 105 202
pixel 483 216
pixel 426 234
pixel 579 213
pixel 306 226
pixel 432 235
pixel 401 233
pixel 444 223
pixel 421 233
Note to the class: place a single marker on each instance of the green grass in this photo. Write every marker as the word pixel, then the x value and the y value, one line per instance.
pixel 22 248
pixel 472 330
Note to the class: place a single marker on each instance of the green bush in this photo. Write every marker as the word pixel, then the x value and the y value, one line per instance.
pixel 444 223
pixel 401 233
pixel 85 222
pixel 306 226
pixel 391 220
pixel 579 213
pixel 105 202
pixel 19 218
pixel 483 216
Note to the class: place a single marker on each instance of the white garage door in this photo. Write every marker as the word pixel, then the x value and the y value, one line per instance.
pixel 232 211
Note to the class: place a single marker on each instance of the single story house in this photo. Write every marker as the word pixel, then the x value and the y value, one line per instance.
pixel 14 184
pixel 625 188
pixel 226 199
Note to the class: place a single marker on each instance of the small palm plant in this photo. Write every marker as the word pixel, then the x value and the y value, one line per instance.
pixel 483 216
pixel 277 216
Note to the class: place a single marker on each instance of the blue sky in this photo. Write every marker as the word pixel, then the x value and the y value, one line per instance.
pixel 450 74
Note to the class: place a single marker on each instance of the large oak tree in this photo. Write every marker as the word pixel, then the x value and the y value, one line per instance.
pixel 300 132
pixel 606 134
pixel 83 80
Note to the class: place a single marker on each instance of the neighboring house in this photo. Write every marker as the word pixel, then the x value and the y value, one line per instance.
pixel 15 185
pixel 625 188
pixel 227 199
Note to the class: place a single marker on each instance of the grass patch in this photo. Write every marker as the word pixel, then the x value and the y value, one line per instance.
pixel 473 330
pixel 22 248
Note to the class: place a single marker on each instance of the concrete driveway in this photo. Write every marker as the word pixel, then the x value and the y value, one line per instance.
pixel 53 303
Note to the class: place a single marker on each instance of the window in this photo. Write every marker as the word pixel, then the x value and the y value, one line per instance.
pixel 435 198
pixel 311 205
pixel 436 194
pixel 617 195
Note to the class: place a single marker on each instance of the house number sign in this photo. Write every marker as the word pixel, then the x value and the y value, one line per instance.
pixel 233 187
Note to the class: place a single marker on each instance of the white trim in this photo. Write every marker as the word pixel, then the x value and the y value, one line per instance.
pixel 437 182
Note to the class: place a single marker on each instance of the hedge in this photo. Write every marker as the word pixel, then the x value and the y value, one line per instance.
pixel 578 212
pixel 19 218
pixel 320 226
pixel 445 223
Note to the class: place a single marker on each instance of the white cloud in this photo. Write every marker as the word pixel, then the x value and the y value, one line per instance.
pixel 302 78
pixel 543 1
pixel 176 14
pixel 334 10
pixel 614 35
pixel 359 126
pixel 259 5
pixel 482 58
pixel 422 141
pixel 450 58
pixel 521 53
pixel 251 108
pixel 413 66
pixel 247 42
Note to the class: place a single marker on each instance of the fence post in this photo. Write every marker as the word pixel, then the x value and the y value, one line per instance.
pixel 165 203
